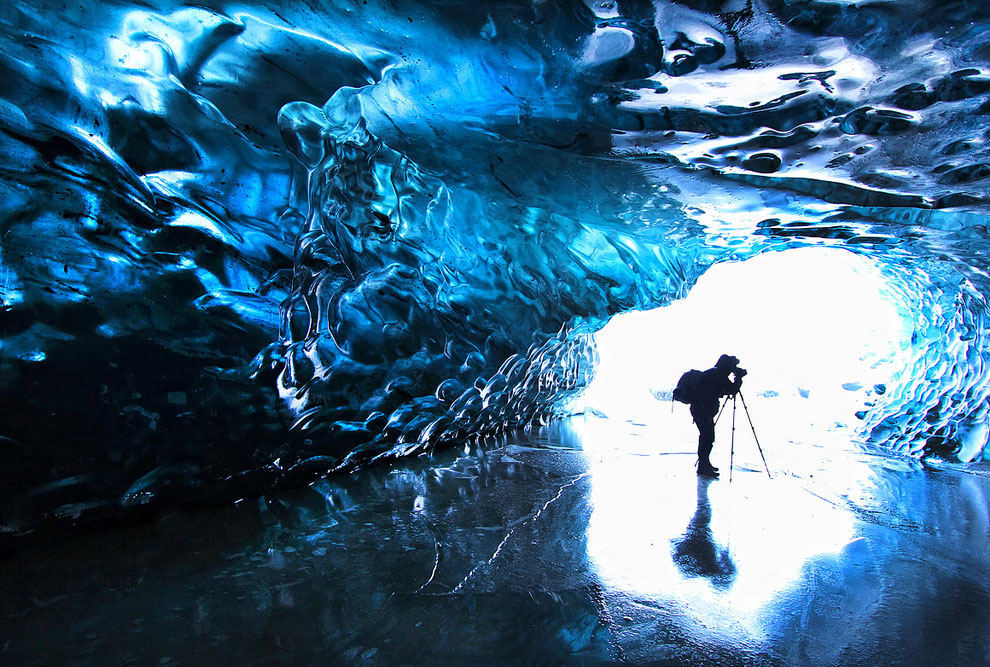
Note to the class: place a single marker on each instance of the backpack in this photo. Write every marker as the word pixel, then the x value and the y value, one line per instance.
pixel 687 387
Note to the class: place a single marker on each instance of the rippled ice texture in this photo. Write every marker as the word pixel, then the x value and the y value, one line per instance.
pixel 246 244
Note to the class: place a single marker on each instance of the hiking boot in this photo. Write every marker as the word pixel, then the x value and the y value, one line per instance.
pixel 707 470
pixel 708 465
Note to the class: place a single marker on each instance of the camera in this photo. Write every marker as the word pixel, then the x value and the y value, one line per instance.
pixel 740 372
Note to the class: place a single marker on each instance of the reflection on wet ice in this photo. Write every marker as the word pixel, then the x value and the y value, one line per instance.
pixel 718 551
pixel 586 542
pixel 696 553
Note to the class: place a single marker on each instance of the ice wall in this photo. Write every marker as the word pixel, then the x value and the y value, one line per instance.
pixel 244 244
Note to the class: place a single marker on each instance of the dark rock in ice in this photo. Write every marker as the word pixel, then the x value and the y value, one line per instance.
pixel 764 163
pixel 876 122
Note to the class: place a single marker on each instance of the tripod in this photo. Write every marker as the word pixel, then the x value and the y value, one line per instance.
pixel 732 448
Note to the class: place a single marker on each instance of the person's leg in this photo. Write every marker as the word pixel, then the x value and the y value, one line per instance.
pixel 706 440
pixel 704 419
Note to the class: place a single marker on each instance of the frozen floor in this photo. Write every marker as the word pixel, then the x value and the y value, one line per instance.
pixel 589 542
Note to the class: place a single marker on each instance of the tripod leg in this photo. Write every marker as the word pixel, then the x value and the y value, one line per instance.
pixel 732 448
pixel 724 403
pixel 753 428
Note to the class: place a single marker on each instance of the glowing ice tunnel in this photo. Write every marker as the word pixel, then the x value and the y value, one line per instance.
pixel 244 245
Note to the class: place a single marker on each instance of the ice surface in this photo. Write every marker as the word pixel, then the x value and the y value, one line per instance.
pixel 244 245
pixel 583 543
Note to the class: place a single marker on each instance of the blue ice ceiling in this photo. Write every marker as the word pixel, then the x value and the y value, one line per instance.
pixel 244 244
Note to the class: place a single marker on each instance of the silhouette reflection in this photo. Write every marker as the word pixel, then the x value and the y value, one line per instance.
pixel 695 553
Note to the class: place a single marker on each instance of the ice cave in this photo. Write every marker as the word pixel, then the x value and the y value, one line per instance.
pixel 347 332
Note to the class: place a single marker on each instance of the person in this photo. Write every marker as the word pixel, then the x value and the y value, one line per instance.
pixel 713 385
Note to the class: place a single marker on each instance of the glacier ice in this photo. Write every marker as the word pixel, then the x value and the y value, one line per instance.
pixel 244 244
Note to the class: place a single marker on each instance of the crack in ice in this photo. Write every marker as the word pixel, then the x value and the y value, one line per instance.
pixel 519 522
pixel 438 553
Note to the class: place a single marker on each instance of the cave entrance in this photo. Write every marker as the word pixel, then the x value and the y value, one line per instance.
pixel 819 329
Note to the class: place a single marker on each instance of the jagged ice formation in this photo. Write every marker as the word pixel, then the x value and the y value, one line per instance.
pixel 246 244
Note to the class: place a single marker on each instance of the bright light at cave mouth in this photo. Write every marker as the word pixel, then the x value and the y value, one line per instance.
pixel 816 328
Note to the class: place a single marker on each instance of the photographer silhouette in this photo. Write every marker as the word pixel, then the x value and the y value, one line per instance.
pixel 712 385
